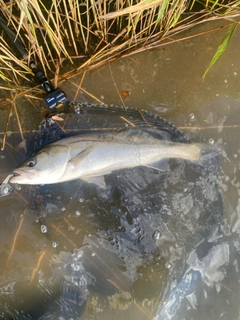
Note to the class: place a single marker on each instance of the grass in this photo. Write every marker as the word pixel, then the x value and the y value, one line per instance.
pixel 95 32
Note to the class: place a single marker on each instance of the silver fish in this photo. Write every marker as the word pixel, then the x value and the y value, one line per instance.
pixel 91 156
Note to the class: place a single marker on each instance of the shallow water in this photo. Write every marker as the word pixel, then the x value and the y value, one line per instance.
pixel 156 247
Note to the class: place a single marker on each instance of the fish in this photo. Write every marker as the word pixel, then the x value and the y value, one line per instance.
pixel 92 156
pixel 133 227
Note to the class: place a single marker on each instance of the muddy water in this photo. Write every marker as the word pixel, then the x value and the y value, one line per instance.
pixel 81 268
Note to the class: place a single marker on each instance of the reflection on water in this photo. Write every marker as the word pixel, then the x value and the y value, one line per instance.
pixel 152 245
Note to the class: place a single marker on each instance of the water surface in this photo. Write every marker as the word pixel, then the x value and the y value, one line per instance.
pixel 164 247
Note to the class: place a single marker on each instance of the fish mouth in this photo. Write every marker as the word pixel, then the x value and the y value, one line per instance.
pixel 16 177
pixel 16 173
pixel 21 176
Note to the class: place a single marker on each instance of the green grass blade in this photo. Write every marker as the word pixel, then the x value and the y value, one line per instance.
pixel 222 47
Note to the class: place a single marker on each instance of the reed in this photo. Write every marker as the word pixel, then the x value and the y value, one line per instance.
pixel 98 31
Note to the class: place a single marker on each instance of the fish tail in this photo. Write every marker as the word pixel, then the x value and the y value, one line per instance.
pixel 209 155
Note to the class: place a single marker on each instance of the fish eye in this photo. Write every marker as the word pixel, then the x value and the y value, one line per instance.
pixel 31 163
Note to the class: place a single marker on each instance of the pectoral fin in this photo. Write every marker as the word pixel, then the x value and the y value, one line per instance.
pixel 162 165
pixel 98 180
pixel 82 155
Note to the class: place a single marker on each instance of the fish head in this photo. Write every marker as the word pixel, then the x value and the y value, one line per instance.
pixel 44 168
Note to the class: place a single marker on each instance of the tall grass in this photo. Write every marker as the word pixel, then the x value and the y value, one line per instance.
pixel 99 30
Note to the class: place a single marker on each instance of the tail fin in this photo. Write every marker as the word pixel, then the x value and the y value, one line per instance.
pixel 210 156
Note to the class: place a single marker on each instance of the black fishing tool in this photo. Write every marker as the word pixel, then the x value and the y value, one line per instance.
pixel 56 96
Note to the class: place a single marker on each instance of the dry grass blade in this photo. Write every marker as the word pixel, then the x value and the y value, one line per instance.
pixel 133 9
pixel 37 266
pixel 15 240
pixel 70 25
pixel 5 132
pixel 3 76
pixel 64 235
pixel 18 119
pixel 7 58
pixel 52 31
